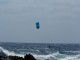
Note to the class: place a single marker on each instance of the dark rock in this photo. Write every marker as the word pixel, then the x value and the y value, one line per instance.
pixel 26 57
pixel 15 58
pixel 29 57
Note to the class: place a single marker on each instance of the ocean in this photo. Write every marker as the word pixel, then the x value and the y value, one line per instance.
pixel 42 51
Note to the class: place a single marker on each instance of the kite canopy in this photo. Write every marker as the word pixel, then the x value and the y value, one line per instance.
pixel 37 25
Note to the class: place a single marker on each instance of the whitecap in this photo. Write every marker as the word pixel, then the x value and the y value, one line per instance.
pixel 10 53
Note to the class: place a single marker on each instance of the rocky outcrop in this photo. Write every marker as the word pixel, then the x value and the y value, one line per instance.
pixel 29 57
pixel 26 57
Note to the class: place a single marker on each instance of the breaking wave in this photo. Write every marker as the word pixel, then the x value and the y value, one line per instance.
pixel 57 56
pixel 53 56
pixel 10 53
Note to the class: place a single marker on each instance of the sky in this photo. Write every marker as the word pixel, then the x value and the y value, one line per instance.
pixel 59 21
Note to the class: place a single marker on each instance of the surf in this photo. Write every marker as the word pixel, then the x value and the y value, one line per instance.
pixel 40 52
pixel 10 53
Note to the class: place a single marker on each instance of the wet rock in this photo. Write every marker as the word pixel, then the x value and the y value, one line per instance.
pixel 15 58
pixel 26 57
pixel 29 57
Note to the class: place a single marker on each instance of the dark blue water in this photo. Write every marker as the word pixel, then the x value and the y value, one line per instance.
pixel 43 51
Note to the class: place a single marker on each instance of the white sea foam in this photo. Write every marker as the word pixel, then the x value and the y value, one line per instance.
pixel 53 56
pixel 44 57
pixel 57 56
pixel 10 53
pixel 76 57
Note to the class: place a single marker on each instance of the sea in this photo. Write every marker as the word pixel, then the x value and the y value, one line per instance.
pixel 42 51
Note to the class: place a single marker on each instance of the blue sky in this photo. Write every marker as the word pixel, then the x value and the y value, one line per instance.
pixel 59 21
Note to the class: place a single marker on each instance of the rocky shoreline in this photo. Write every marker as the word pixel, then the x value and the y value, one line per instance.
pixel 26 57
